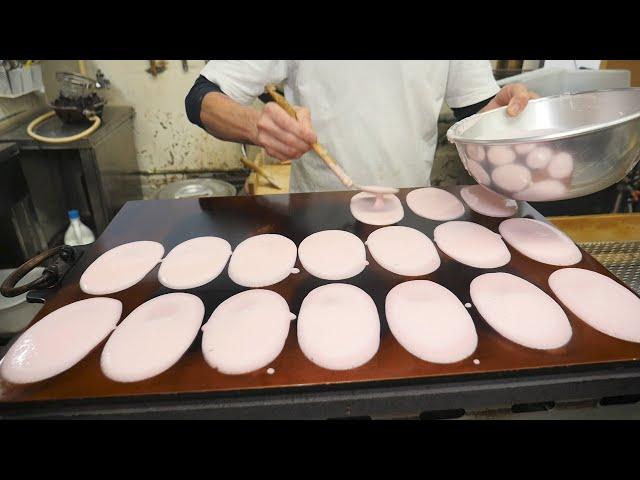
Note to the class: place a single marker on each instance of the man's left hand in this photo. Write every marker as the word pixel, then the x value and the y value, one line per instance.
pixel 515 95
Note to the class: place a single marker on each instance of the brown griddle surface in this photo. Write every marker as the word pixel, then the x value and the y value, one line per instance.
pixel 297 216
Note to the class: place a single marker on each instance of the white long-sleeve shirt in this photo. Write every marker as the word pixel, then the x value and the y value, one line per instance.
pixel 378 119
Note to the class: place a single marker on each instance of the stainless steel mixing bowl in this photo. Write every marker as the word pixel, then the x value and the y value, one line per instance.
pixel 559 147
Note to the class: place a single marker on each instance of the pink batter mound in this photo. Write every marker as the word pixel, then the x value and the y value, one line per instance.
pixel 121 267
pixel 500 155
pixel 561 165
pixel 487 202
pixel 263 260
pixel 539 158
pixel 246 332
pixel 60 340
pixel 434 204
pixel 338 327
pixel 511 177
pixel 599 301
pixel 403 250
pixel 476 152
pixel 152 338
pixel 540 241
pixel 542 190
pixel 376 209
pixel 471 244
pixel 430 322
pixel 479 173
pixel 520 311
pixel 194 263
pixel 332 255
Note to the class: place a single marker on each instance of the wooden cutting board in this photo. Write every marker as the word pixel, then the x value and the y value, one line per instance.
pixel 297 216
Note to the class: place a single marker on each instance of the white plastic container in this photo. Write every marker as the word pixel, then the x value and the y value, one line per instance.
pixel 77 233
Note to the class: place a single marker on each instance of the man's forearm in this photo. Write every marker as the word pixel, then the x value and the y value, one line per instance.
pixel 227 120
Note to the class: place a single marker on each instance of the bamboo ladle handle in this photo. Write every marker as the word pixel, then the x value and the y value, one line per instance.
pixel 319 149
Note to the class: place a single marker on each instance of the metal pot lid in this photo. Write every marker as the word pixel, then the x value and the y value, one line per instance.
pixel 196 187
pixel 5 302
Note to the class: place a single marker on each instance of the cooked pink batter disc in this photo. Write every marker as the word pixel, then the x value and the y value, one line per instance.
pixel 487 202
pixel 121 267
pixel 476 152
pixel 542 190
pixel 500 155
pixel 599 301
pixel 539 158
pixel 246 332
pixel 60 340
pixel 194 263
pixel 561 165
pixel 540 241
pixel 152 338
pixel 430 322
pixel 471 244
pixel 376 209
pixel 511 177
pixel 403 250
pixel 479 173
pixel 520 311
pixel 338 327
pixel 332 255
pixel 524 148
pixel 434 204
pixel 263 260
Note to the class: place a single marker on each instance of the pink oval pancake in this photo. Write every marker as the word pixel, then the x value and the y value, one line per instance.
pixel 471 244
pixel 262 260
pixel 338 327
pixel 599 301
pixel 152 338
pixel 541 191
pixel 500 155
pixel 332 255
pixel 364 209
pixel 511 177
pixel 561 165
pixel 434 204
pixel 476 152
pixel 520 311
pixel 540 241
pixel 524 148
pixel 246 332
pixel 403 250
pixel 539 158
pixel 487 202
pixel 194 262
pixel 430 322
pixel 121 267
pixel 60 340
pixel 478 173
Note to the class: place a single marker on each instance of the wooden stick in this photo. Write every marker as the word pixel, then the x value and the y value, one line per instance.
pixel 319 149
pixel 260 171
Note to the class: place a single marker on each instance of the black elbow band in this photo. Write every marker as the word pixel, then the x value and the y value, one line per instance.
pixel 464 112
pixel 193 100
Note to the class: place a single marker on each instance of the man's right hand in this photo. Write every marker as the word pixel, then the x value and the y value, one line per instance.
pixel 281 135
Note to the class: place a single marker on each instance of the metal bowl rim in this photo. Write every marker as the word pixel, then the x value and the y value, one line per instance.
pixel 575 132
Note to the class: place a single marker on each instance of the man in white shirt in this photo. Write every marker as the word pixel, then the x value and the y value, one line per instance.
pixel 378 119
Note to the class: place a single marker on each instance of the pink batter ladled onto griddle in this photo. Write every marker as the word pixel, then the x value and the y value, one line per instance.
pixel 60 340
pixel 338 327
pixel 487 202
pixel 540 241
pixel 152 338
pixel 599 301
pixel 332 255
pixel 430 322
pixel 403 250
pixel 434 204
pixel 471 244
pixel 520 311
pixel 376 209
pixel 246 332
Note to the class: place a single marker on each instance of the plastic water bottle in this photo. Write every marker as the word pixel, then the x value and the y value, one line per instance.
pixel 77 233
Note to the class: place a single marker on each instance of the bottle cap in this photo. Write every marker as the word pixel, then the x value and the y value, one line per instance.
pixel 73 214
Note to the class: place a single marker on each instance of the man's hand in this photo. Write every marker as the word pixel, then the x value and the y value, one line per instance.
pixel 515 95
pixel 282 136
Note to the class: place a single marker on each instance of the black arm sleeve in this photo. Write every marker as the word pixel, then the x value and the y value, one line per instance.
pixel 193 100
pixel 464 112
